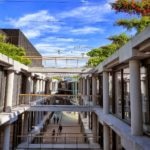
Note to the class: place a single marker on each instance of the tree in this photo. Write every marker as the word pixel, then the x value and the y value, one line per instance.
pixel 12 51
pixel 98 55
pixel 141 8
pixel 132 7
pixel 120 39
pixel 138 24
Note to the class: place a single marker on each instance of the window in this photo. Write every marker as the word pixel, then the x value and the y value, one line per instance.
pixel 16 89
pixel 120 93
pixel 3 78
pixel 145 91
pixel 100 77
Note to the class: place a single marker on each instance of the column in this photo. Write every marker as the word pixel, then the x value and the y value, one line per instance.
pixel 31 85
pixel 37 86
pixel 9 91
pixel 88 119
pixel 88 89
pixel 94 90
pixel 25 125
pixel 79 86
pixel 105 92
pixel 6 137
pixel 44 86
pixel 40 86
pixel 83 86
pixel 28 90
pixel 94 129
pixel 135 98
pixel 106 137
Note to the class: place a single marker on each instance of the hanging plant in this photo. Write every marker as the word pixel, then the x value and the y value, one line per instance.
pixel 132 7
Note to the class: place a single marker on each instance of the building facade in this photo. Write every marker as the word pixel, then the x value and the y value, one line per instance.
pixel 121 87
pixel 16 37
pixel 115 94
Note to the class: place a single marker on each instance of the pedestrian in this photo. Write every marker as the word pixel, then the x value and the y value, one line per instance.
pixel 54 119
pixel 53 132
pixel 57 120
pixel 59 128
pixel 53 136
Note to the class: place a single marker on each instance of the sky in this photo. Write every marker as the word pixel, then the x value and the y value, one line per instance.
pixel 62 27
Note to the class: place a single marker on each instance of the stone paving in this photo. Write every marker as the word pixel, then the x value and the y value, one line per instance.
pixel 71 130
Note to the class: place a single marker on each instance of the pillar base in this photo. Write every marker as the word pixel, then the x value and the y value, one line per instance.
pixel 8 109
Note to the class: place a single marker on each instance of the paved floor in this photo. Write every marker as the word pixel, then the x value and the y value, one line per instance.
pixel 71 130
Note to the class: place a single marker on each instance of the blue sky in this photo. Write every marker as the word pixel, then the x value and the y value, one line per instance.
pixel 70 26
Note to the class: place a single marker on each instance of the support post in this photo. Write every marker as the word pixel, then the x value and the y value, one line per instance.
pixel 9 91
pixel 135 98
pixel 105 93
pixel 106 137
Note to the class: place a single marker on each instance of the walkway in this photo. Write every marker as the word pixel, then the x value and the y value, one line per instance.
pixel 70 138
pixel 71 132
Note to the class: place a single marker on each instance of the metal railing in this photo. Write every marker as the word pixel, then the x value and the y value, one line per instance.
pixel 58 99
pixel 50 141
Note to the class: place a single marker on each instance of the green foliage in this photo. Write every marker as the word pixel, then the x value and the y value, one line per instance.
pixel 119 40
pixel 2 38
pixel 138 24
pixel 57 78
pixel 132 7
pixel 100 54
pixel 12 51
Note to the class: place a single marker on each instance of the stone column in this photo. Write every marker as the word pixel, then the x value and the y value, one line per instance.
pixel 6 137
pixel 25 125
pixel 88 89
pixel 105 92
pixel 44 86
pixel 106 137
pixel 28 90
pixel 9 96
pixel 94 90
pixel 88 119
pixel 40 86
pixel 135 98
pixel 83 86
pixel 31 85
pixel 94 129
pixel 37 86
pixel 9 90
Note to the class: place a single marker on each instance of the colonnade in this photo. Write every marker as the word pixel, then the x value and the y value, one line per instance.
pixel 135 98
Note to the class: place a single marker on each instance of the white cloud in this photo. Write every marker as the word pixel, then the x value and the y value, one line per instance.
pixel 32 33
pixel 35 24
pixel 26 20
pixel 88 13
pixel 51 49
pixel 87 30
pixel 57 39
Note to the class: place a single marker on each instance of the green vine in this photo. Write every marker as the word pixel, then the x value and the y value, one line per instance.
pixel 12 51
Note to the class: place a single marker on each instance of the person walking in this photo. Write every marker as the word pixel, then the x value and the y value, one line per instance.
pixel 59 129
pixel 57 119
pixel 53 136
pixel 54 119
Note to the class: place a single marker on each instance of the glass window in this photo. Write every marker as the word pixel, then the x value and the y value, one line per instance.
pixel 3 76
pixel 126 94
pixel 145 91
pixel 121 96
pixel 118 94
pixel 100 90
pixel 110 92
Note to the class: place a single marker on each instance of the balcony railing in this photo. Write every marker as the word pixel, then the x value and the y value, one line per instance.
pixel 58 99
